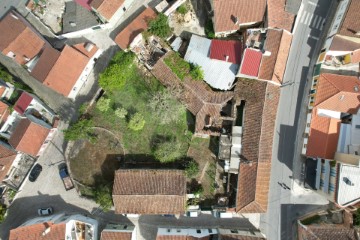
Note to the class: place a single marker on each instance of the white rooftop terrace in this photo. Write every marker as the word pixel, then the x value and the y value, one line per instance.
pixel 349 185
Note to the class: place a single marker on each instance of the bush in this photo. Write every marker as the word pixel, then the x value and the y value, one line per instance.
pixel 83 129
pixel 183 9
pixel 121 112
pixel 2 213
pixel 196 72
pixel 137 122
pixel 191 169
pixel 5 75
pixel 120 69
pixel 104 104
pixel 102 196
pixel 357 217
pixel 160 26
pixel 178 65
pixel 209 29
pixel 168 151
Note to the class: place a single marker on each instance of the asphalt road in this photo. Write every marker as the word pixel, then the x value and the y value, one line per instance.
pixel 285 206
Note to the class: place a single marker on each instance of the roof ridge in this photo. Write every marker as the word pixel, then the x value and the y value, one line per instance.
pixel 325 77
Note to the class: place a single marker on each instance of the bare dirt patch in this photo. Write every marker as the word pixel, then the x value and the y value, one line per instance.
pixel 91 163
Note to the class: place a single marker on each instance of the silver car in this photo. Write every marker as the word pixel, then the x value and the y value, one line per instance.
pixel 45 211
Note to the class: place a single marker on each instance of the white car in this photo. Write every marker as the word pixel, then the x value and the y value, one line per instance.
pixel 45 211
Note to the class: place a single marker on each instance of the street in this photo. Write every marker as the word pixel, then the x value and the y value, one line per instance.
pixel 285 205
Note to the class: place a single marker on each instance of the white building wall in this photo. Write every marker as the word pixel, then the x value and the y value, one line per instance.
pixel 339 16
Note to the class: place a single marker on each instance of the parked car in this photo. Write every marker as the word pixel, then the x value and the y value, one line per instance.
pixel 45 211
pixel 35 172
pixel 348 181
pixel 64 175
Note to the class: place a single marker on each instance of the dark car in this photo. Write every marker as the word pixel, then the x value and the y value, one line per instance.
pixel 35 172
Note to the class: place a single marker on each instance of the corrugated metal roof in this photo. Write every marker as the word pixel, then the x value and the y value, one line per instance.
pixel 218 74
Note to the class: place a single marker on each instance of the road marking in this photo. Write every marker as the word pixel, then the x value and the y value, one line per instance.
pixel 316 38
pixel 314 21
pixel 307 18
pixel 312 3
pixel 303 17
pixel 319 22
pixel 322 24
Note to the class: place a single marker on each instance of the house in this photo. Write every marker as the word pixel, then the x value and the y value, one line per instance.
pixel 66 72
pixel 195 233
pixel 259 100
pixel 7 157
pixel 205 104
pixel 21 42
pixel 6 90
pixel 219 59
pixel 4 113
pixel 231 15
pixel 134 28
pixel 107 9
pixel 118 231
pixel 266 55
pixel 58 226
pixel 148 191
pixel 278 17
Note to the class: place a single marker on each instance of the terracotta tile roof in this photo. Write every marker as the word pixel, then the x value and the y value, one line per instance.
pixel 28 137
pixel 6 151
pixel 12 27
pixel 323 136
pixel 46 62
pixel 342 43
pixel 149 191
pixel 22 103
pixel 239 237
pixel 138 25
pixel 198 98
pixel 326 232
pixel 5 165
pixel 351 22
pixel 2 90
pixel 282 56
pixel 277 16
pixel 272 44
pixel 355 56
pixel 66 71
pixel 107 8
pixel 87 48
pixel 180 237
pixel 35 232
pixel 251 62
pixel 260 113
pixel 229 51
pixel 225 12
pixel 338 92
pixel 113 235
pixel 4 112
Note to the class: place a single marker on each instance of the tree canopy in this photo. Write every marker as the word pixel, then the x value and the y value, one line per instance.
pixel 103 104
pixel 160 26
pixel 168 151
pixel 137 122
pixel 80 130
pixel 102 195
pixel 120 69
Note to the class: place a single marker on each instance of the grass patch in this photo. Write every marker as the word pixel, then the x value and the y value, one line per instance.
pixel 183 9
pixel 182 68
pixel 310 220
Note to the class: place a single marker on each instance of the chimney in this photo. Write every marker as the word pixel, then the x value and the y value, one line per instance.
pixel 226 58
pixel 47 230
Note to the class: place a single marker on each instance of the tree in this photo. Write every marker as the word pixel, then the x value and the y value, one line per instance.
pixel 83 129
pixel 196 72
pixel 103 104
pixel 5 75
pixel 102 196
pixel 209 29
pixel 166 107
pixel 137 122
pixel 2 213
pixel 183 9
pixel 160 26
pixel 191 169
pixel 121 112
pixel 168 151
pixel 120 69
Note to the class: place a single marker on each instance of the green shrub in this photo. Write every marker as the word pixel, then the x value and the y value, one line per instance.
pixel 183 9
pixel 5 75
pixel 83 129
pixel 191 169
pixel 178 65
pixel 137 122
pixel 310 220
pixel 357 217
pixel 121 112
pixel 103 197
pixel 2 213
pixel 209 29
pixel 196 72
pixel 160 26
pixel 168 151
pixel 103 104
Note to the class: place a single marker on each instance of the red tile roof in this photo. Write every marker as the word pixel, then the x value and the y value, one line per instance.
pixel 149 191
pixel 23 102
pixel 251 62
pixel 355 56
pixel 107 8
pixel 351 23
pixel 323 136
pixel 327 232
pixel 7 157
pixel 225 12
pixel 260 113
pixel 138 25
pixel 66 71
pixel 35 232
pixel 46 62
pixel 341 43
pixel 28 137
pixel 229 51
pixel 114 235
pixel 181 237
pixel 4 112
pixel 19 39
pixel 6 151
pixel 84 3
pixel 277 16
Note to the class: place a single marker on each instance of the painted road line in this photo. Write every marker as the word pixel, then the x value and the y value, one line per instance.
pixel 316 38
pixel 319 22
pixel 313 23
pixel 322 24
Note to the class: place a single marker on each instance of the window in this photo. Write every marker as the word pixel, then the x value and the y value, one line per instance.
pixel 305 145
pixel 332 187
pixel 308 124
pixel 168 230
pixel 234 231
pixel 198 231
pixel 356 153
pixel 357 126
pixel 178 230
pixel 210 230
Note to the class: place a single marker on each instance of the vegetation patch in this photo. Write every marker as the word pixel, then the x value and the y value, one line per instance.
pixel 310 220
pixel 182 68
pixel 160 26
pixel 183 9
pixel 209 29
pixel 357 217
